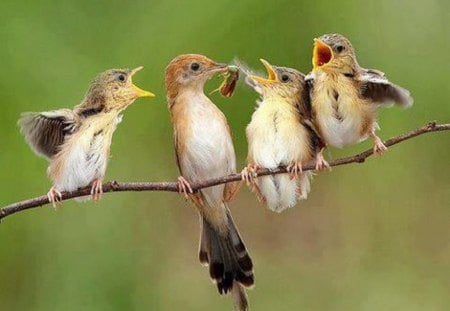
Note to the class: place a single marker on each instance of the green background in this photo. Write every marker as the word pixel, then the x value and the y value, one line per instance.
pixel 370 237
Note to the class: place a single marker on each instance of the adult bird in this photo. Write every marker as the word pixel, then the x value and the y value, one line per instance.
pixel 280 134
pixel 77 141
pixel 345 97
pixel 204 150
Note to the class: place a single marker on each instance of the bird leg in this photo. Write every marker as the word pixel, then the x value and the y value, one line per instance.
pixel 54 196
pixel 249 174
pixel 294 169
pixel 231 190
pixel 249 177
pixel 97 189
pixel 378 147
pixel 184 187
pixel 321 163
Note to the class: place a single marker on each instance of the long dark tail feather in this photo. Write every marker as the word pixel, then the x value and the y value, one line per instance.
pixel 230 265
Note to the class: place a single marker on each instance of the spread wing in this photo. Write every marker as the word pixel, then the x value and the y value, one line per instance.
pixel 45 132
pixel 376 87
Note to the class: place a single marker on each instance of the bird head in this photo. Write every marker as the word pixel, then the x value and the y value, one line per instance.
pixel 190 71
pixel 115 90
pixel 281 82
pixel 333 52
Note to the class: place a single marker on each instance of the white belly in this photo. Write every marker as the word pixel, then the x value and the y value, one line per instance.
pixel 277 143
pixel 84 157
pixel 84 162
pixel 340 132
pixel 277 138
pixel 340 120
pixel 209 151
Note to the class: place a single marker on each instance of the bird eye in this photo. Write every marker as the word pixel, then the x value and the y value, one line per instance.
pixel 339 48
pixel 195 66
pixel 121 77
pixel 285 78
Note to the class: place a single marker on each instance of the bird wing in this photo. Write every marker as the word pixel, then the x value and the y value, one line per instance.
pixel 376 87
pixel 305 107
pixel 45 132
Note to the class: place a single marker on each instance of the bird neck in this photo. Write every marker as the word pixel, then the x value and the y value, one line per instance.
pixel 276 99
pixel 185 95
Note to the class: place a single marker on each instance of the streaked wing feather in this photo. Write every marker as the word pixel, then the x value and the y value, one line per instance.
pixel 46 131
pixel 375 86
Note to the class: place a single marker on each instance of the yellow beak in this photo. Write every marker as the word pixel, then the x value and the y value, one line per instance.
pixel 138 91
pixel 271 74
pixel 322 54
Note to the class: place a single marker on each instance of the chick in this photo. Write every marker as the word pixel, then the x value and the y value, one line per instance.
pixel 345 97
pixel 77 141
pixel 280 134
pixel 204 150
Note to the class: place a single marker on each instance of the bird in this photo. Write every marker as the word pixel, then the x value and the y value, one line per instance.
pixel 77 141
pixel 345 97
pixel 280 134
pixel 204 150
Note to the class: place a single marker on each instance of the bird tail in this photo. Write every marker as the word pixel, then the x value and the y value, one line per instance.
pixel 230 265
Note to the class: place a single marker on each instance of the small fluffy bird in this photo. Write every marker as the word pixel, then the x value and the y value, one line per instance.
pixel 280 134
pixel 204 150
pixel 345 97
pixel 77 141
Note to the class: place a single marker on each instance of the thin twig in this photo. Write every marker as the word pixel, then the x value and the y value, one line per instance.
pixel 173 187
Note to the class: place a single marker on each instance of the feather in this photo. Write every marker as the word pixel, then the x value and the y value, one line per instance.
pixel 45 132
pixel 376 87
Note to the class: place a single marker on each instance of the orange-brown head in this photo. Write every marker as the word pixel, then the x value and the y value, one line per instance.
pixel 333 52
pixel 190 71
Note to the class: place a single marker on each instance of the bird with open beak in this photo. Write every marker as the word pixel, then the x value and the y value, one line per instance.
pixel 279 135
pixel 77 141
pixel 204 150
pixel 345 97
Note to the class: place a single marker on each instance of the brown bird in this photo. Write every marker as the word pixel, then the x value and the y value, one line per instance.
pixel 204 150
pixel 345 97
pixel 280 134
pixel 77 141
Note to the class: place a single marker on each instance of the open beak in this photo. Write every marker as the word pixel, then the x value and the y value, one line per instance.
pixel 138 91
pixel 271 74
pixel 322 54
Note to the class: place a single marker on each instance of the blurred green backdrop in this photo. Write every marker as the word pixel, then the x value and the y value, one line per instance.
pixel 371 237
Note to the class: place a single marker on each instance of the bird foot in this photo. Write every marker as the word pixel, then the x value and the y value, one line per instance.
pixel 321 163
pixel 184 187
pixel 249 174
pixel 54 196
pixel 378 148
pixel 97 189
pixel 294 169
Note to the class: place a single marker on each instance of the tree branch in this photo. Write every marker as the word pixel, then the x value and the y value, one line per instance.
pixel 173 187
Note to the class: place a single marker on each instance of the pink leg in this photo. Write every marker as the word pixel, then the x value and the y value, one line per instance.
pixel 184 187
pixel 54 196
pixel 295 169
pixel 249 174
pixel 378 147
pixel 321 163
pixel 97 189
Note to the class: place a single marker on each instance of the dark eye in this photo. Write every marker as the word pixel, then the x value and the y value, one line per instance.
pixel 339 48
pixel 121 77
pixel 195 66
pixel 284 78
